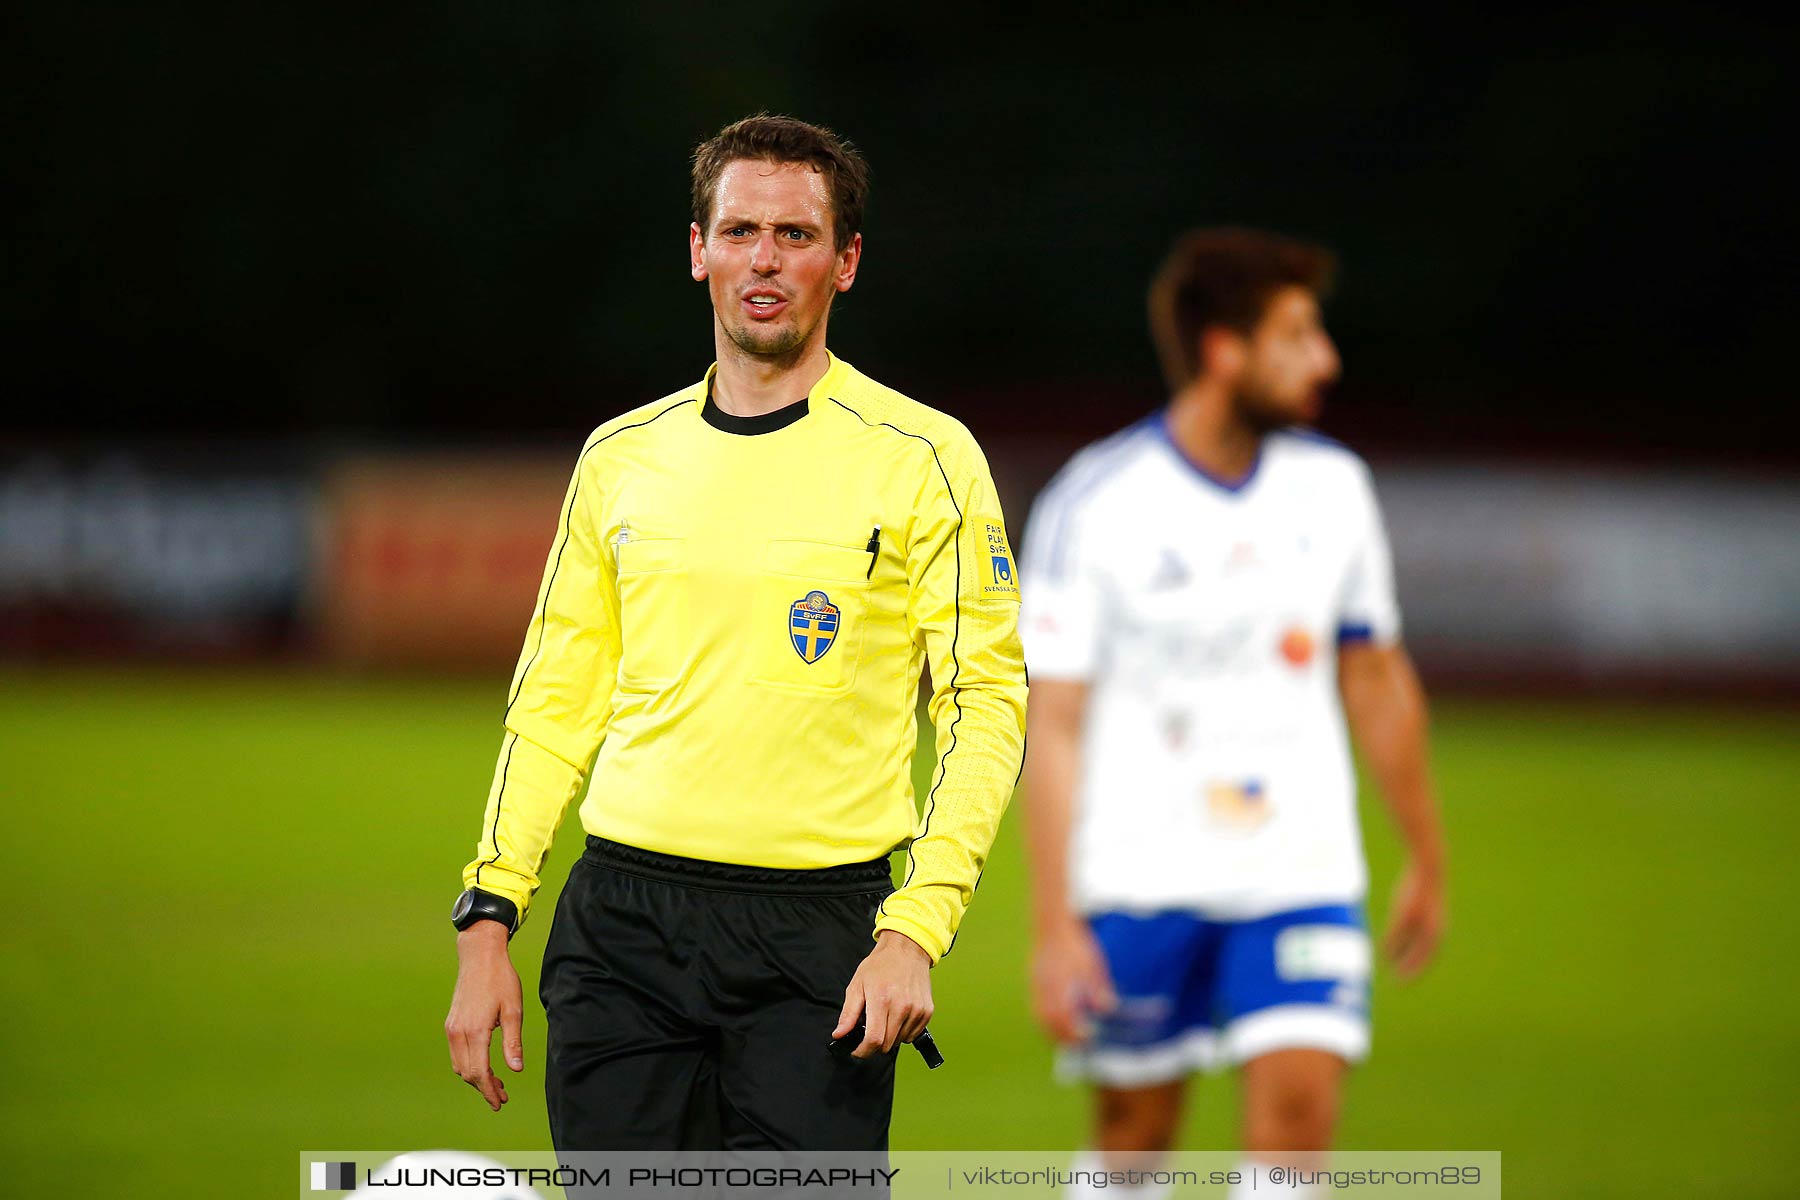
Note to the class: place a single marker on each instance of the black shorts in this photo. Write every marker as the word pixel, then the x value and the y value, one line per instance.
pixel 691 1005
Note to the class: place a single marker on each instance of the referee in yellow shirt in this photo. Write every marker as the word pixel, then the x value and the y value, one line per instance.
pixel 747 579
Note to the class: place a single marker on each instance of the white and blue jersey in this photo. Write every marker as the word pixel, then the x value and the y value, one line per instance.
pixel 1216 779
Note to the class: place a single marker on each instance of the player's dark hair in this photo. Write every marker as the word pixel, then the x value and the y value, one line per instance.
pixel 786 140
pixel 1225 277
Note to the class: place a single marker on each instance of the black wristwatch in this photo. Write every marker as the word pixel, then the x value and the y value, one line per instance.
pixel 476 905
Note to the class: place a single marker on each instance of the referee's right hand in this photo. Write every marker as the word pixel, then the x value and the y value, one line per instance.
pixel 488 997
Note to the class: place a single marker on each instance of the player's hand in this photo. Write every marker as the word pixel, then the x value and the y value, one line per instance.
pixel 1416 920
pixel 1070 982
pixel 488 997
pixel 894 985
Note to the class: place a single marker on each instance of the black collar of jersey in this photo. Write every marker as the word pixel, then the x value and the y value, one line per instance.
pixel 768 422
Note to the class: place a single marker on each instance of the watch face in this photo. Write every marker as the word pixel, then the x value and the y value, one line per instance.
pixel 460 909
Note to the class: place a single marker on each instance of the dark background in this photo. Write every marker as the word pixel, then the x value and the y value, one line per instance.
pixel 1560 230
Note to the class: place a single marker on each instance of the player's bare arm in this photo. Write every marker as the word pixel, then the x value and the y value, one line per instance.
pixel 1069 981
pixel 1385 707
pixel 893 988
pixel 488 996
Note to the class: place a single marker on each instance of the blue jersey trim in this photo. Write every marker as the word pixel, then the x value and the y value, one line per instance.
pixel 1351 633
pixel 1230 487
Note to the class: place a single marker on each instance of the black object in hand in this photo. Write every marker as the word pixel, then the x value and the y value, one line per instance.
pixel 925 1044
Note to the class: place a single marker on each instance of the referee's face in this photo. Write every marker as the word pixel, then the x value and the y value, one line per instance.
pixel 769 257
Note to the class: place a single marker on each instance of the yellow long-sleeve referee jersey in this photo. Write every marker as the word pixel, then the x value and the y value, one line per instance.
pixel 735 613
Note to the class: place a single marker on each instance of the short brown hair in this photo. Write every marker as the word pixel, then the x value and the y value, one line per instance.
pixel 1225 277
pixel 786 140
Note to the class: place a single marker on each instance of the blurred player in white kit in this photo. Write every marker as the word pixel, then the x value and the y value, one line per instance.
pixel 1208 603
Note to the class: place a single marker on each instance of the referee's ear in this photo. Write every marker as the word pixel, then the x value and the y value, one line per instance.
pixel 849 259
pixel 697 252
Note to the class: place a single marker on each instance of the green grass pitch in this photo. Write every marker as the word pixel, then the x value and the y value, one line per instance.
pixel 228 943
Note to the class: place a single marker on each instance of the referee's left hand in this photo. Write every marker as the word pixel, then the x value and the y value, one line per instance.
pixel 894 985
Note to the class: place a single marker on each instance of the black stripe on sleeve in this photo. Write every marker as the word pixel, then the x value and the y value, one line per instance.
pixel 499 797
pixel 1024 747
pixel 549 587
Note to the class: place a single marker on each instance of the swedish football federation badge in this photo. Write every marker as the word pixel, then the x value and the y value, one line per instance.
pixel 1002 579
pixel 812 625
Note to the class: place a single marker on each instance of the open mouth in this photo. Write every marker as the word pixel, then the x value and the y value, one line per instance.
pixel 764 304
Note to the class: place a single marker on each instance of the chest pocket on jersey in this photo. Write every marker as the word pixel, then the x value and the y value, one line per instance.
pixel 806 626
pixel 653 611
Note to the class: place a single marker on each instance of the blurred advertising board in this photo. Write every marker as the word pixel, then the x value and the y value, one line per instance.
pixel 1509 574
pixel 1598 576
pixel 434 559
pixel 195 551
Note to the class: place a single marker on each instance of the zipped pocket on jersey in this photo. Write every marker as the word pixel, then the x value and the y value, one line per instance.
pixel 653 611
pixel 808 616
